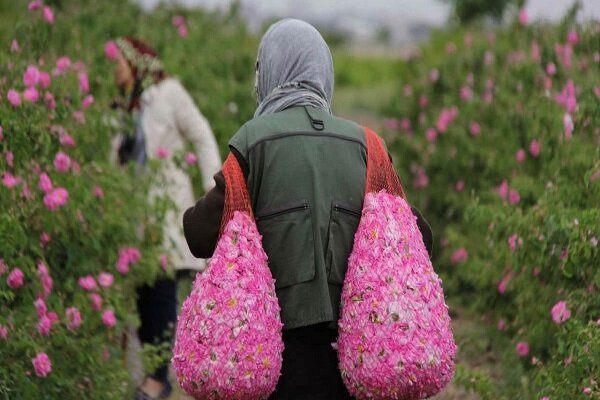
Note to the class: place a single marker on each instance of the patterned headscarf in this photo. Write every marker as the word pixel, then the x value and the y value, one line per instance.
pixel 142 58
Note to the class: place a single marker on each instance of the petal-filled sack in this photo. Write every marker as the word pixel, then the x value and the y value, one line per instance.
pixel 228 343
pixel 395 339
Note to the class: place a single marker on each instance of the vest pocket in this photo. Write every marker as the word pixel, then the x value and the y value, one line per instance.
pixel 343 224
pixel 289 243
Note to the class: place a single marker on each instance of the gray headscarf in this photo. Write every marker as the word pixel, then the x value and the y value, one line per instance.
pixel 293 68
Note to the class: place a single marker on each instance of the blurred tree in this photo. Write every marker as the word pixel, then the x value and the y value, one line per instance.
pixel 469 10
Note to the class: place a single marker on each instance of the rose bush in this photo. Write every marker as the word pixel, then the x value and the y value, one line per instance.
pixel 497 138
pixel 77 234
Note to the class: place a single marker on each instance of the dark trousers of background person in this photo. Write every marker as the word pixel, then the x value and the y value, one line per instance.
pixel 310 366
pixel 157 307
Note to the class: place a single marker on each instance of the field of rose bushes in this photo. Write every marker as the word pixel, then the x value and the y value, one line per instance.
pixel 496 135
pixel 497 138
pixel 76 231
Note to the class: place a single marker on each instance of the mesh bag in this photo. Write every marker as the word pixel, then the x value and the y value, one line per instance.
pixel 228 342
pixel 395 339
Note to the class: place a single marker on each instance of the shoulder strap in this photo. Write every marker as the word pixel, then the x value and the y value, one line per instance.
pixel 237 197
pixel 380 170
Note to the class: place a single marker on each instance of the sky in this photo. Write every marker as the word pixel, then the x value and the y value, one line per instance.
pixel 405 18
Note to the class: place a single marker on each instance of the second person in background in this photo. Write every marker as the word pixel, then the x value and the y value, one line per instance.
pixel 166 120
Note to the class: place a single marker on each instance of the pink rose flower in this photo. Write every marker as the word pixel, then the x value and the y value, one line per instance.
pixel 3 332
pixel 587 391
pixel 96 300
pixel 88 282
pixel 84 84
pixel 56 198
pixel 87 101
pixel 501 325
pixel 63 64
pixel 31 76
pixel 44 238
pixel 520 156
pixel 66 140
pixel 14 46
pixel 503 284
pixel 522 349
pixel 48 15
pixel 42 365
pixel 44 326
pixel 111 51
pixel 98 192
pixel 163 152
pixel 182 31
pixel 560 312
pixel 9 157
pixel 105 279
pixel 523 17
pixel 459 186
pixel 534 148
pixel 551 69
pixel 73 318
pixel 513 197
pixel 572 38
pixel 45 184
pixel 474 128
pixel 31 95
pixel 465 93
pixel 191 159
pixel 434 75
pixel 9 180
pixel 178 20
pixel 15 278
pixel 40 307
pixel 514 242
pixel 14 98
pixel 49 100
pixel 62 162
pixel 44 79
pixel 459 256
pixel 431 134
pixel 34 5
pixel 108 318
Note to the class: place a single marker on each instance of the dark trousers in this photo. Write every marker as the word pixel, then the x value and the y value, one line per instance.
pixel 157 306
pixel 310 366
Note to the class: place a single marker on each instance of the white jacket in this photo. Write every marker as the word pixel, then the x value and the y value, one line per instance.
pixel 169 120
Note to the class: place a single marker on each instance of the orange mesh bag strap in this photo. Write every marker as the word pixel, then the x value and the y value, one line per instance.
pixel 380 170
pixel 237 197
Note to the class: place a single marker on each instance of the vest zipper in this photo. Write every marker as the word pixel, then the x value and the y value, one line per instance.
pixel 276 213
pixel 346 210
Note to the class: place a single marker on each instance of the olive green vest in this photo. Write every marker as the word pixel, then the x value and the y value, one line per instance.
pixel 306 177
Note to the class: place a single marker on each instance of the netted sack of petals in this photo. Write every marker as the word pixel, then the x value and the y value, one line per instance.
pixel 228 342
pixel 395 338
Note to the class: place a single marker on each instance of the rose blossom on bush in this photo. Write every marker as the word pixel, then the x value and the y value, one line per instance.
pixel 87 101
pixel 56 198
pixel 88 282
pixel 73 317
pixel 84 83
pixel 560 312
pixel 63 64
pixel 105 279
pixel 48 15
pixel 459 256
pixel 108 318
pixel 127 256
pixel 3 331
pixel 191 159
pixel 14 98
pixel 31 94
pixel 111 51
pixel 45 183
pixel 164 261
pixel 62 162
pixel 31 76
pixel 15 278
pixel 520 156
pixel 40 307
pixel 44 79
pixel 42 365
pixel 44 325
pixel 522 349
pixel 163 152
pixel 534 148
pixel 96 300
